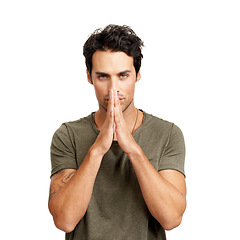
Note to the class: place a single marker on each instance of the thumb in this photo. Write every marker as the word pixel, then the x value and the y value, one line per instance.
pixel 114 132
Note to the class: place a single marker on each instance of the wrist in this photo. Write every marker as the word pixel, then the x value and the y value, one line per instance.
pixel 96 151
pixel 134 151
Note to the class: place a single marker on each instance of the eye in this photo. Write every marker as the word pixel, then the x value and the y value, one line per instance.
pixel 124 75
pixel 102 77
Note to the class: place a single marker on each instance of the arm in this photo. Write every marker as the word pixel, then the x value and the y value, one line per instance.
pixel 71 190
pixel 164 192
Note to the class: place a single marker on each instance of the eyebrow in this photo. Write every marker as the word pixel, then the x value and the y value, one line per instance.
pixel 126 71
pixel 122 72
pixel 101 73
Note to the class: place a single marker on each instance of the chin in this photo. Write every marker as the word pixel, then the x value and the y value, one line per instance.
pixel 126 106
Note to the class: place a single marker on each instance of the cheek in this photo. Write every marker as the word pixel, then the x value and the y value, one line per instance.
pixel 130 88
pixel 99 91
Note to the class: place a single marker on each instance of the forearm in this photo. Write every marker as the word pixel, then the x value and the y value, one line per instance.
pixel 70 203
pixel 165 202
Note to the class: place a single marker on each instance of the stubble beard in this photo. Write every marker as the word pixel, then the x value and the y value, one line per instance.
pixel 105 107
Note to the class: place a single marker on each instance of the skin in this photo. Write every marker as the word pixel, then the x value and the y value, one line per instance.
pixel 113 77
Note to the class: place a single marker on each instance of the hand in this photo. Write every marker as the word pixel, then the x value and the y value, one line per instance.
pixel 121 132
pixel 105 137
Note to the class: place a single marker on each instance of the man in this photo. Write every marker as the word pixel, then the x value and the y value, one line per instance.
pixel 119 172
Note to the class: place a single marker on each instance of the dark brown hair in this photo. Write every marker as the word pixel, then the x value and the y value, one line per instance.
pixel 114 38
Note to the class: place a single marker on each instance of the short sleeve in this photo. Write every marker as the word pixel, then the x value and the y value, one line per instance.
pixel 174 152
pixel 62 151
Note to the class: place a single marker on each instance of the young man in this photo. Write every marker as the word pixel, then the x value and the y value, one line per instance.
pixel 119 172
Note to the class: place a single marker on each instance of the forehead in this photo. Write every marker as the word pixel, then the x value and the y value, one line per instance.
pixel 111 62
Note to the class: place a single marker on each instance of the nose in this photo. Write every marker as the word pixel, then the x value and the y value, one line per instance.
pixel 113 84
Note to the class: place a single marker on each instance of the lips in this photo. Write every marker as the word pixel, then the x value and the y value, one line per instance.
pixel 120 99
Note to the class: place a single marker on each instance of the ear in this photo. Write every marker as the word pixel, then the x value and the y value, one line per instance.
pixel 89 77
pixel 138 76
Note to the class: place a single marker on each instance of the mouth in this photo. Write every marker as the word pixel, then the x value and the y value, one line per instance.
pixel 119 98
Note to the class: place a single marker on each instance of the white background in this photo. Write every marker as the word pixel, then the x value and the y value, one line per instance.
pixel 190 74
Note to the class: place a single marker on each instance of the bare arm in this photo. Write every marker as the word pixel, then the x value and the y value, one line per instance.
pixel 71 190
pixel 164 192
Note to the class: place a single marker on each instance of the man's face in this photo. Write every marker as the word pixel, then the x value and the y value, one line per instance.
pixel 113 70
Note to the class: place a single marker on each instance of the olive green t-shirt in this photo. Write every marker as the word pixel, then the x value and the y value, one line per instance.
pixel 117 210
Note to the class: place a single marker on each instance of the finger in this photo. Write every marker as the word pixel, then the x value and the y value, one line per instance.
pixel 117 104
pixel 116 118
pixel 116 99
pixel 110 105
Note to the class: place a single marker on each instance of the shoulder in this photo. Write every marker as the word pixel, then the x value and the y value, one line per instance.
pixel 82 122
pixel 157 123
pixel 159 126
pixel 72 126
